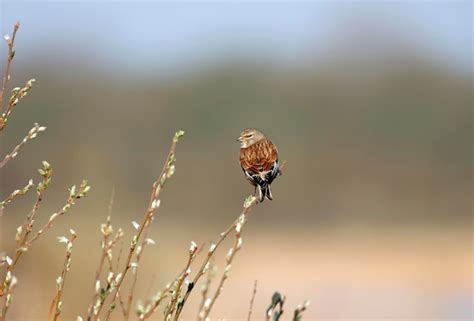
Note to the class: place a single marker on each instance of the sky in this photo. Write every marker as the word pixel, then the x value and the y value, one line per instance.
pixel 183 35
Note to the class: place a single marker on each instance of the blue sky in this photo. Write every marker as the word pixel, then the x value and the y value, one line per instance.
pixel 180 35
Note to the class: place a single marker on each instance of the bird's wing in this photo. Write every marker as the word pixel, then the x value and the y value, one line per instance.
pixel 252 179
pixel 258 158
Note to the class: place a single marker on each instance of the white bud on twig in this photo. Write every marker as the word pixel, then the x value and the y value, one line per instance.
pixel 136 225
pixel 193 247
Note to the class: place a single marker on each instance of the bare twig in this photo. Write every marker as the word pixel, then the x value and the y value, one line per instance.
pixel 237 225
pixel 298 315
pixel 100 293
pixel 119 257
pixel 144 312
pixel 11 54
pixel 179 284
pixel 46 172
pixel 57 304
pixel 17 94
pixel 13 195
pixel 205 287
pixel 106 230
pixel 135 266
pixel 74 194
pixel 112 270
pixel 24 230
pixel 25 244
pixel 229 258
pixel 31 135
pixel 7 286
pixel 251 300
pixel 158 185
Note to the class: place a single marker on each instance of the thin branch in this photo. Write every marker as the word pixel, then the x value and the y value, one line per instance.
pixel 31 135
pixel 71 201
pixel 136 265
pixel 100 294
pixel 8 285
pixel 206 285
pixel 179 284
pixel 229 259
pixel 298 314
pixel 106 230
pixel 151 308
pixel 13 195
pixel 112 270
pixel 11 53
pixel 119 257
pixel 251 300
pixel 24 230
pixel 158 185
pixel 237 225
pixel 144 312
pixel 57 304
pixel 17 94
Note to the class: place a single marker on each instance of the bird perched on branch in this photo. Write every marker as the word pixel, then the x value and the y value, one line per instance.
pixel 259 161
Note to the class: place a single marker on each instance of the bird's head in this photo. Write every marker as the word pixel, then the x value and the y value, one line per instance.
pixel 250 136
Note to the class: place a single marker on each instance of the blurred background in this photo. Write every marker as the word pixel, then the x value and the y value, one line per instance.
pixel 370 103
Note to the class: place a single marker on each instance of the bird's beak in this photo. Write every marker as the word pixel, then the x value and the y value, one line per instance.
pixel 239 139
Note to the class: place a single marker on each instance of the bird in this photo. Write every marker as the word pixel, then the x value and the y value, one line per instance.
pixel 259 161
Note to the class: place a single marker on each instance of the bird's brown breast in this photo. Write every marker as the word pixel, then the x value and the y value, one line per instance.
pixel 259 157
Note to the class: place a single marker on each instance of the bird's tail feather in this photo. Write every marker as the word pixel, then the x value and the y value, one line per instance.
pixel 261 193
pixel 264 192
pixel 268 193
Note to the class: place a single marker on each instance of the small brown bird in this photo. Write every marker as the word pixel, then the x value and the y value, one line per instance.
pixel 259 161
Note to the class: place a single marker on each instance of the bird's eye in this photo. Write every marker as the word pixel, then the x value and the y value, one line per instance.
pixel 248 135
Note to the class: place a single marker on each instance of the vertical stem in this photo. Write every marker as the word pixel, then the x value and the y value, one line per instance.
pixel 158 185
pixel 251 300
pixel 6 75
